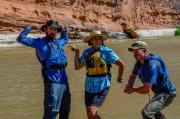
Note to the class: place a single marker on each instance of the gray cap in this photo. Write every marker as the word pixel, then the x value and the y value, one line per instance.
pixel 138 45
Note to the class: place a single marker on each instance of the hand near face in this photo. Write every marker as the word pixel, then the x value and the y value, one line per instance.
pixel 73 48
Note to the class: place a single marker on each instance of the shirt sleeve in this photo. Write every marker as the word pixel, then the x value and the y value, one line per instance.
pixel 64 38
pixel 112 56
pixel 151 73
pixel 23 39
pixel 82 58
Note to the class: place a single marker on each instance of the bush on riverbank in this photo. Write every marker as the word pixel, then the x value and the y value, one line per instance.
pixel 177 32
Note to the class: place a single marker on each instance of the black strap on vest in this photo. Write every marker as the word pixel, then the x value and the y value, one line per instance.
pixel 44 65
pixel 58 66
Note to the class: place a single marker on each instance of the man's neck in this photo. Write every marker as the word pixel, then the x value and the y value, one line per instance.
pixel 50 38
pixel 142 61
pixel 95 48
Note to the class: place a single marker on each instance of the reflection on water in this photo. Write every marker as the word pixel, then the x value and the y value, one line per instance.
pixel 21 87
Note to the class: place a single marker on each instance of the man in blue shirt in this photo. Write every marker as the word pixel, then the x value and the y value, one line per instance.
pixel 97 59
pixel 51 55
pixel 153 73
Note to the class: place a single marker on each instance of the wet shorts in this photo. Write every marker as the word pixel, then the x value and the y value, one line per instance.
pixel 95 99
pixel 57 99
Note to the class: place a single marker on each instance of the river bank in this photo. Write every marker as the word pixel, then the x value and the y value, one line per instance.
pixel 8 39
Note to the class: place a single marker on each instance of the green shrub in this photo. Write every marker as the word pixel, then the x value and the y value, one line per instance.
pixel 177 32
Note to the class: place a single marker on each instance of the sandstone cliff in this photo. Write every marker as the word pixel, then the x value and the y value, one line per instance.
pixel 90 14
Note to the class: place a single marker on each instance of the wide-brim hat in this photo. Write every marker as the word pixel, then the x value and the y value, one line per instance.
pixel 137 45
pixel 51 23
pixel 94 34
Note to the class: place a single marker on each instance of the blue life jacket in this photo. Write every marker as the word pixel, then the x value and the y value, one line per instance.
pixel 56 58
pixel 50 54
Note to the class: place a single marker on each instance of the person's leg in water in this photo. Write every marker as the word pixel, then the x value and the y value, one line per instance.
pixel 65 104
pixel 92 112
pixel 52 99
pixel 153 108
pixel 160 115
pixel 93 101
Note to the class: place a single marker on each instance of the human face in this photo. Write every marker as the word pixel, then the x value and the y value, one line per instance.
pixel 96 42
pixel 139 54
pixel 51 32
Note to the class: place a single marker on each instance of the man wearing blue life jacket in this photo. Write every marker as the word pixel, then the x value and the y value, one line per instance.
pixel 51 55
pixel 153 73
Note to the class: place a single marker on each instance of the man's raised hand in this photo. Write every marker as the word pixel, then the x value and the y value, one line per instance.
pixel 73 48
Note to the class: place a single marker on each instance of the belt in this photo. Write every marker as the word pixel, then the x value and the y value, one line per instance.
pixel 173 93
pixel 57 66
pixel 169 93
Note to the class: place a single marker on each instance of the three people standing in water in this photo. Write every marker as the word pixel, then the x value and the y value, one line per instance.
pixel 97 60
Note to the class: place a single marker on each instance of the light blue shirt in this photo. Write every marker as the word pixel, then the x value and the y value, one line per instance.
pixel 97 84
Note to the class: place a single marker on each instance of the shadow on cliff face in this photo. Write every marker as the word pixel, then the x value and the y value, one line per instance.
pixel 158 13
pixel 175 7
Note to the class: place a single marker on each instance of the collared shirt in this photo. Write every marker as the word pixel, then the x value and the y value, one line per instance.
pixel 51 52
pixel 97 84
pixel 154 71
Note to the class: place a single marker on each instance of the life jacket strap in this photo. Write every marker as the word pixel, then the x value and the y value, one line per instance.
pixel 98 75
pixel 56 66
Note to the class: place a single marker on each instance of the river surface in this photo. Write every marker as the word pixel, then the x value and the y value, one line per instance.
pixel 21 85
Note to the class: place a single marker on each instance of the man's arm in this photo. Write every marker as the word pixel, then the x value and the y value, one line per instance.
pixel 23 39
pixel 145 89
pixel 77 64
pixel 131 80
pixel 64 37
pixel 121 65
pixel 130 84
pixel 114 58
pixel 150 77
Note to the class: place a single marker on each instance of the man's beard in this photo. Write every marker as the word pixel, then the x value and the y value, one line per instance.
pixel 136 57
pixel 51 36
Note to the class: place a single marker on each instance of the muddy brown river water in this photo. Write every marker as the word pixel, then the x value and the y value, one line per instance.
pixel 21 86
